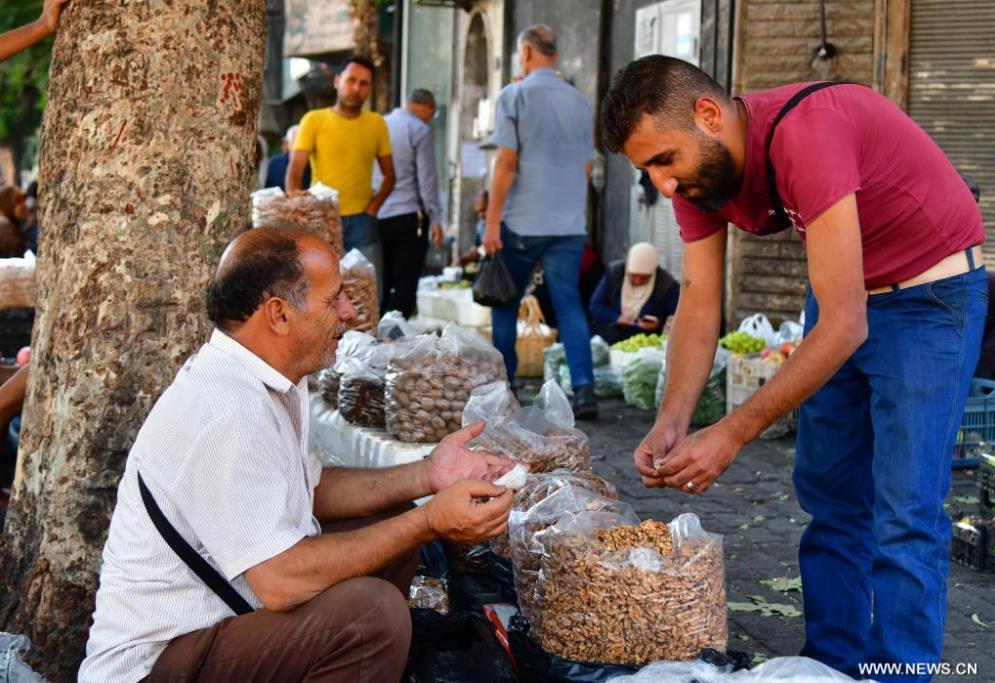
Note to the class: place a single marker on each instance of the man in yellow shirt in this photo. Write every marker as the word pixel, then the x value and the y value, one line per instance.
pixel 342 142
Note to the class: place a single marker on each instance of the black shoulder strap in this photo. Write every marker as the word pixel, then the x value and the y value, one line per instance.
pixel 775 197
pixel 198 565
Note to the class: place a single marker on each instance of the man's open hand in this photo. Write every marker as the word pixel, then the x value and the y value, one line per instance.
pixel 469 511
pixel 451 461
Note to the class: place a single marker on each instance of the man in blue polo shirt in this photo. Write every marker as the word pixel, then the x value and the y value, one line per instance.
pixel 544 132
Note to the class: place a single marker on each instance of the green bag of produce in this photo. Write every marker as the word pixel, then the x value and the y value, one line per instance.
pixel 553 356
pixel 600 351
pixel 712 404
pixel 607 382
pixel 639 378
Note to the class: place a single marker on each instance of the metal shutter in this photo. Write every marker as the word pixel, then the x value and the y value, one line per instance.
pixel 952 89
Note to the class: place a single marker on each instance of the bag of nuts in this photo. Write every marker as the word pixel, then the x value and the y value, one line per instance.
pixel 361 387
pixel 540 486
pixel 329 378
pixel 542 435
pixel 609 591
pixel 359 284
pixel 526 527
pixel 394 326
pixel 429 382
pixel 316 210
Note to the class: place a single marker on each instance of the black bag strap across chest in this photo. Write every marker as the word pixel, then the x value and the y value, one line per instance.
pixel 198 565
pixel 775 197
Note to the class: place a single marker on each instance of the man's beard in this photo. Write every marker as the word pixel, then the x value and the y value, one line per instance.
pixel 716 181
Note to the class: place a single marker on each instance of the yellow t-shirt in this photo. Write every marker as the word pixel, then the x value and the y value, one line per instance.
pixel 343 152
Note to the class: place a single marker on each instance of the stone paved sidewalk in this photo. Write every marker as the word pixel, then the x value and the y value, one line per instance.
pixel 754 507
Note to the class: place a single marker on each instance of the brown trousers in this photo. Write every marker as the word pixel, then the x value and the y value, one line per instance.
pixel 357 631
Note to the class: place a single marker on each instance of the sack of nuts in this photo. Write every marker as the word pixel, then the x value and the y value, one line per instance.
pixel 526 528
pixel 352 342
pixel 429 592
pixel 540 486
pixel 613 592
pixel 542 435
pixel 429 382
pixel 359 284
pixel 361 387
pixel 394 326
pixel 316 210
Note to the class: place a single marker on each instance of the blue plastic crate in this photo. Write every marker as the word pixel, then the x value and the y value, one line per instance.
pixel 977 427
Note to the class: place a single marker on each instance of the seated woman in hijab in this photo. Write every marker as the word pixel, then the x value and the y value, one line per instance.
pixel 634 296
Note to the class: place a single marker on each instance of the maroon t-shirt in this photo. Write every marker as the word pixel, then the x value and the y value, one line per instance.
pixel 914 207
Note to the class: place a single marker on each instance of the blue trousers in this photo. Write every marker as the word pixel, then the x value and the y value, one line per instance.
pixel 560 257
pixel 873 468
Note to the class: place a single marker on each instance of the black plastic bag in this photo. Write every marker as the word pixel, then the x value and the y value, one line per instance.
pixel 535 665
pixel 494 286
pixel 457 648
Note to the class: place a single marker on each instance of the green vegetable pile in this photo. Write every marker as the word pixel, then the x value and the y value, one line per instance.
pixel 639 341
pixel 742 343
pixel 639 377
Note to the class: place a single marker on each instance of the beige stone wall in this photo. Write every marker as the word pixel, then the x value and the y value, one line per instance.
pixel 776 44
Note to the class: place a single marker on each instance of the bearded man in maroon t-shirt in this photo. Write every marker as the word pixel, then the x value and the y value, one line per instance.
pixel 893 319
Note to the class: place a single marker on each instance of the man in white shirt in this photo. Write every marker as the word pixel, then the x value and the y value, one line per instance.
pixel 224 455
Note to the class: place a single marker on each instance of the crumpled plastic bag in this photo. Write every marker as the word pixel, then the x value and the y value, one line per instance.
pixel 393 325
pixel 362 380
pixel 359 285
pixel 780 669
pixel 12 666
pixel 757 325
pixel 329 378
pixel 542 435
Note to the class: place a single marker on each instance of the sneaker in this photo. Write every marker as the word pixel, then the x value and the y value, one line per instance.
pixel 585 406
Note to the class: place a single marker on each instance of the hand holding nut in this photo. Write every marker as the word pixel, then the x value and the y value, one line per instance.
pixel 456 513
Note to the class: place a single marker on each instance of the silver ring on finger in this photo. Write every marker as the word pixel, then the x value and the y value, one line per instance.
pixel 691 486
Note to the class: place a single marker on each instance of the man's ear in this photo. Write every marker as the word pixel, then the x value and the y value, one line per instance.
pixel 276 312
pixel 708 114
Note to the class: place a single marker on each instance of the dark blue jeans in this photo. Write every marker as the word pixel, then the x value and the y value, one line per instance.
pixel 359 231
pixel 560 257
pixel 873 468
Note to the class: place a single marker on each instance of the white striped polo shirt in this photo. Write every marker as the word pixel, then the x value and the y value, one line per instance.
pixel 224 453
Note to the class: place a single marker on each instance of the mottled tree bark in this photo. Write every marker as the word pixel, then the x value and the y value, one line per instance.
pixel 148 146
pixel 366 36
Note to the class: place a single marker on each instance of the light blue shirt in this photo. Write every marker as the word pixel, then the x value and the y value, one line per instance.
pixel 550 125
pixel 413 149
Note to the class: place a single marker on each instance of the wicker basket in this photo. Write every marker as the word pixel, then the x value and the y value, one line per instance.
pixel 533 338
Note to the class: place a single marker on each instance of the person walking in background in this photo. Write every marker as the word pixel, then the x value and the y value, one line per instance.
pixel 276 166
pixel 635 296
pixel 413 205
pixel 544 132
pixel 343 142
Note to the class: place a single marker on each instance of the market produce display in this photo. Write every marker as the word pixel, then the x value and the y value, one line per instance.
pixel 639 378
pixel 429 383
pixel 317 210
pixel 640 341
pixel 620 593
pixel 742 343
pixel 712 405
pixel 329 378
pixel 359 285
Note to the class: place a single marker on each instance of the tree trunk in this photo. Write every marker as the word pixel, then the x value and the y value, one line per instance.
pixel 148 147
pixel 366 36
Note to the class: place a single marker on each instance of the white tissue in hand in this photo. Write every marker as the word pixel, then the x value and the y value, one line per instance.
pixel 514 479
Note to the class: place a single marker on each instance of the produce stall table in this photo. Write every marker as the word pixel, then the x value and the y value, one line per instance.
pixel 340 444
pixel 456 305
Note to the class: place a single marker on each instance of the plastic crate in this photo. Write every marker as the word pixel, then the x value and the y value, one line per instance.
pixel 746 374
pixel 977 427
pixel 970 544
pixel 986 481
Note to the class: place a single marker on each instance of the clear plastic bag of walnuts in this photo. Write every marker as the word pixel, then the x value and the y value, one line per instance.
pixel 317 210
pixel 429 592
pixel 359 284
pixel 612 592
pixel 525 529
pixel 362 385
pixel 429 382
pixel 352 342
pixel 540 486
pixel 542 435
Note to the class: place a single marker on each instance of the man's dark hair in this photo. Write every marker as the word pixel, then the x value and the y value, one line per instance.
pixel 663 87
pixel 422 96
pixel 540 37
pixel 362 61
pixel 269 266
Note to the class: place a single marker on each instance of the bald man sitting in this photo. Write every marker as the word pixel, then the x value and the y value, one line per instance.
pixel 308 568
